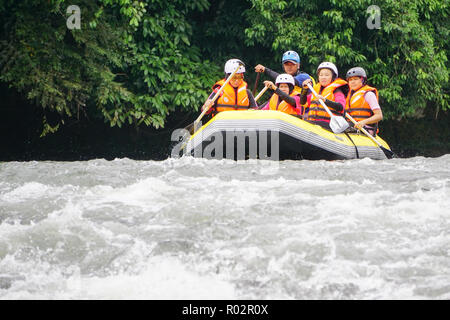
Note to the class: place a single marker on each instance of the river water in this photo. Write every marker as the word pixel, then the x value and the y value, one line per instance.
pixel 207 229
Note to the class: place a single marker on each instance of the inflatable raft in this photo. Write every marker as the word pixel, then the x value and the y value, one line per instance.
pixel 258 134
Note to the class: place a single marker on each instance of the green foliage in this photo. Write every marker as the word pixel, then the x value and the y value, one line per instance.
pixel 131 61
pixel 406 58
pixel 166 71
pixel 61 70
pixel 134 62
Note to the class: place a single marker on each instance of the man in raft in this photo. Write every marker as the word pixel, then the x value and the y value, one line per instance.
pixel 285 98
pixel 235 95
pixel 291 65
pixel 362 101
pixel 331 90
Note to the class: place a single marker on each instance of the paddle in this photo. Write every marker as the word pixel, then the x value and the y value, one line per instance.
pixel 389 154
pixel 215 97
pixel 192 128
pixel 256 82
pixel 261 93
pixel 337 123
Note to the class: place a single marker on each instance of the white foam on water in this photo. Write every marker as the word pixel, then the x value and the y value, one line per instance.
pixel 29 190
pixel 145 195
pixel 164 278
pixel 215 229
pixel 342 279
pixel 421 206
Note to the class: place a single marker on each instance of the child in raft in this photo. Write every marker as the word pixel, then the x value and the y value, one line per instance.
pixel 286 97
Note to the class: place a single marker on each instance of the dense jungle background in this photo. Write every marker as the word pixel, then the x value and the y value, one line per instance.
pixel 136 70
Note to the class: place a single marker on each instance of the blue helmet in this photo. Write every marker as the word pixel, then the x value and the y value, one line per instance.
pixel 290 56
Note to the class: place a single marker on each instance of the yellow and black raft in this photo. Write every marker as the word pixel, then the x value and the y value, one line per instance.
pixel 267 134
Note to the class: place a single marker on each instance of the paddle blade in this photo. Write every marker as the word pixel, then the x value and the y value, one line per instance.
pixel 190 128
pixel 338 124
pixel 388 153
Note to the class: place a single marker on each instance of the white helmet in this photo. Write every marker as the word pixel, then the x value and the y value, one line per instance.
pixel 285 78
pixel 328 65
pixel 232 64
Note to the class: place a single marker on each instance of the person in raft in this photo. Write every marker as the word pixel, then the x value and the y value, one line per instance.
pixel 285 97
pixel 362 101
pixel 235 95
pixel 291 65
pixel 331 90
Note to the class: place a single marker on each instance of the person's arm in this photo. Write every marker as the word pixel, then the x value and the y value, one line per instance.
pixel 377 117
pixel 285 97
pixel 339 102
pixel 266 71
pixel 304 96
pixel 209 101
pixel 271 73
pixel 371 99
pixel 292 100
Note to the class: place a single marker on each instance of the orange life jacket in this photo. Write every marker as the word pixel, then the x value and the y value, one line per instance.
pixel 316 110
pixel 357 107
pixel 275 103
pixel 232 98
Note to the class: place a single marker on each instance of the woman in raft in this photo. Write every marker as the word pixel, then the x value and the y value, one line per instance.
pixel 362 101
pixel 331 90
pixel 235 95
pixel 286 97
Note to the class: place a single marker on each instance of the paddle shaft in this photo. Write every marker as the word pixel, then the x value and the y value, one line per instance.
pixel 261 93
pixel 363 130
pixel 256 83
pixel 256 99
pixel 348 116
pixel 194 124
pixel 215 97
pixel 321 101
pixel 338 124
pixel 190 127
